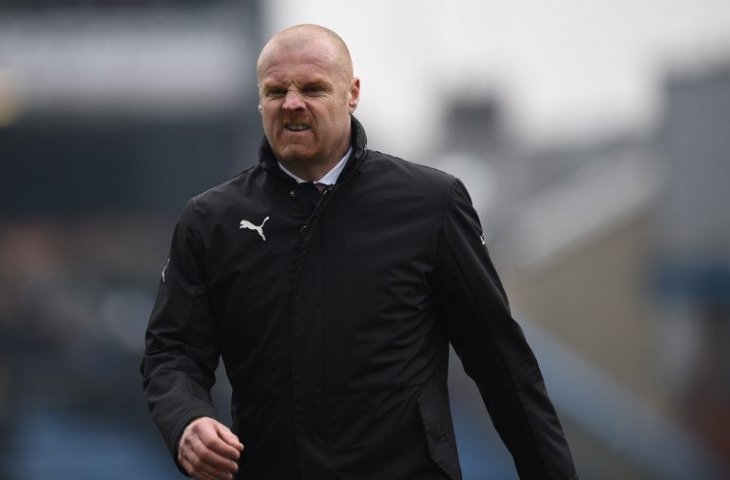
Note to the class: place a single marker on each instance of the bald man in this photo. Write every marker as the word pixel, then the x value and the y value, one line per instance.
pixel 331 279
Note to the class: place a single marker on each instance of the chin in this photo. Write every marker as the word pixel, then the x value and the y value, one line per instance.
pixel 294 152
pixel 297 156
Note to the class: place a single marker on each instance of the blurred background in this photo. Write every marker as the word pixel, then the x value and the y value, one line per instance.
pixel 594 138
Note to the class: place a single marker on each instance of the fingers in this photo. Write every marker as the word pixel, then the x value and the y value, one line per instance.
pixel 203 463
pixel 209 450
pixel 227 436
pixel 202 471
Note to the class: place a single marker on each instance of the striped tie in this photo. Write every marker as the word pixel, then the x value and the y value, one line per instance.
pixel 321 187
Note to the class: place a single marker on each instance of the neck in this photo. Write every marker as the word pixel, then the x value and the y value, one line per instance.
pixel 310 173
pixel 312 170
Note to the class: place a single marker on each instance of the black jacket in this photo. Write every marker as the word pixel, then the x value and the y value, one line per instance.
pixel 333 320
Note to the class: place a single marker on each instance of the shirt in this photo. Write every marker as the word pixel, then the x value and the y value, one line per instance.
pixel 329 178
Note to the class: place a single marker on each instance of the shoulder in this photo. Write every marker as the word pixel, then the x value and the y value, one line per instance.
pixel 218 202
pixel 394 169
pixel 223 194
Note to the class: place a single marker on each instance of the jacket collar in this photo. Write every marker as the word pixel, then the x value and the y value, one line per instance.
pixel 359 147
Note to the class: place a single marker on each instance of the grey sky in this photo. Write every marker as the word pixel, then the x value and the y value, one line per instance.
pixel 567 69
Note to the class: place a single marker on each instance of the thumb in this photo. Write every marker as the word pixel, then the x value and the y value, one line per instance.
pixel 229 437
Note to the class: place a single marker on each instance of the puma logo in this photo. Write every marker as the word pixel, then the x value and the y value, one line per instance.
pixel 258 228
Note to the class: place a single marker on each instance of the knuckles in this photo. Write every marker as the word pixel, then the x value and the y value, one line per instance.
pixel 197 450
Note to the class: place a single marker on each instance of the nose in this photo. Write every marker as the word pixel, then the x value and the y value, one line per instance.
pixel 293 101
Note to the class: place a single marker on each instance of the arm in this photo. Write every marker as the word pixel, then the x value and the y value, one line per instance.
pixel 181 351
pixel 493 349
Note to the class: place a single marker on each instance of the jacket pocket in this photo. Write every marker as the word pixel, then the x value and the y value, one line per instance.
pixel 440 446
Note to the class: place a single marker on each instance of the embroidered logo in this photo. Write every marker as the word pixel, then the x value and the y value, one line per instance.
pixel 164 271
pixel 258 228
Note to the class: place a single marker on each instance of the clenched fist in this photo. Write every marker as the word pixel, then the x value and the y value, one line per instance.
pixel 208 450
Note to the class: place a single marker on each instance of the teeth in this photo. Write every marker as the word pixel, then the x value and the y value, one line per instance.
pixel 297 127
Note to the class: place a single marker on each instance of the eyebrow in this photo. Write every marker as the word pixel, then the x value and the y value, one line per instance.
pixel 322 84
pixel 267 86
pixel 318 84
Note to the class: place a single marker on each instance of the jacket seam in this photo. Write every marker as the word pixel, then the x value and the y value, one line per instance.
pixel 198 292
pixel 442 228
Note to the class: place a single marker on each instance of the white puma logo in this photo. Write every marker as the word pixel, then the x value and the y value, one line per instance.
pixel 257 228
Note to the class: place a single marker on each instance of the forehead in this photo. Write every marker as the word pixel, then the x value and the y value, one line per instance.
pixel 314 61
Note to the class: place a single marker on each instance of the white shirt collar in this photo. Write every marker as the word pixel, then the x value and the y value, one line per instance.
pixel 330 178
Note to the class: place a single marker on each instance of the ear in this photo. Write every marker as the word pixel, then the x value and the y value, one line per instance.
pixel 261 109
pixel 353 96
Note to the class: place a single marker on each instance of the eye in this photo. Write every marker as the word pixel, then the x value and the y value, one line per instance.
pixel 275 92
pixel 312 91
pixel 315 89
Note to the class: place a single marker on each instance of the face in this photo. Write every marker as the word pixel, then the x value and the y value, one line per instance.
pixel 306 99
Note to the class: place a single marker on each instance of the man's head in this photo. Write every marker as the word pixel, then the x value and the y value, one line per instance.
pixel 306 95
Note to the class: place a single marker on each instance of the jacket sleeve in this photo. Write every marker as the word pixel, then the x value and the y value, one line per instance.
pixel 181 349
pixel 492 348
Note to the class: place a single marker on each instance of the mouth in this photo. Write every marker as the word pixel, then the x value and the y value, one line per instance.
pixel 296 127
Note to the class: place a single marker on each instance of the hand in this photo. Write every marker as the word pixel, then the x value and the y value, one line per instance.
pixel 208 450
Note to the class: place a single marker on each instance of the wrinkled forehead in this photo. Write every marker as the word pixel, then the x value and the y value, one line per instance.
pixel 315 55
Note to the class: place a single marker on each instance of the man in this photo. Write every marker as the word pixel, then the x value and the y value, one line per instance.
pixel 331 279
